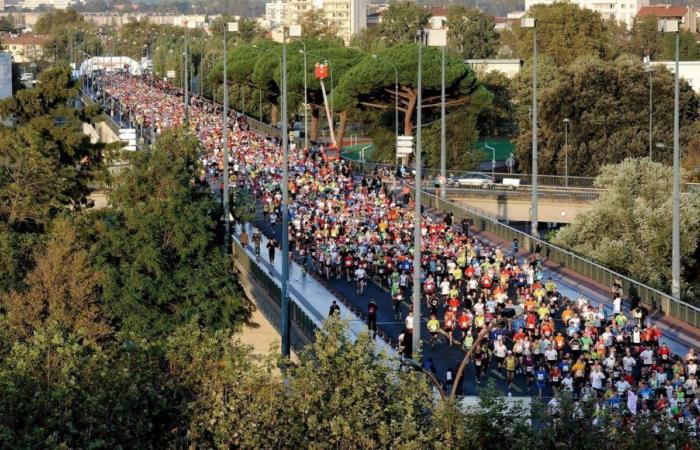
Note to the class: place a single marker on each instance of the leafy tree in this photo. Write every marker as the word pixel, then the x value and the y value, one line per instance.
pixel 499 119
pixel 461 133
pixel 47 160
pixel 628 228
pixel 565 32
pixel 645 39
pixel 401 22
pixel 157 246
pixel 48 23
pixel 689 49
pixel 370 84
pixel 249 30
pixel 63 287
pixel 471 33
pixel 58 390
pixel 315 25
pixel 607 104
pixel 342 393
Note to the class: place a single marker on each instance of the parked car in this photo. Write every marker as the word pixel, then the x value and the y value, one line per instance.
pixel 471 179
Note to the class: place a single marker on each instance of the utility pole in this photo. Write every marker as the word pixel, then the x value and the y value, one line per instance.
pixel 443 137
pixel 417 212
pixel 530 23
pixel 224 134
pixel 187 90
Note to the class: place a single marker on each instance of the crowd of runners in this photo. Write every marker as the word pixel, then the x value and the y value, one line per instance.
pixel 360 228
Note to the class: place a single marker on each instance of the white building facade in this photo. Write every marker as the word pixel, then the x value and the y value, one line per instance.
pixel 349 16
pixel 56 4
pixel 620 10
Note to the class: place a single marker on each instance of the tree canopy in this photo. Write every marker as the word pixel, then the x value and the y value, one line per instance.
pixel 629 227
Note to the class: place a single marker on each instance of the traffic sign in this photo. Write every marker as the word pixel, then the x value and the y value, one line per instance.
pixel 404 145
pixel 171 74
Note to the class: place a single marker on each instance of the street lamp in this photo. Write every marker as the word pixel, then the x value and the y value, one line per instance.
pixel 648 68
pixel 566 151
pixel 493 161
pixel 396 98
pixel 673 26
pixel 433 38
pixel 529 22
pixel 306 98
pixel 287 32
pixel 233 27
pixel 443 138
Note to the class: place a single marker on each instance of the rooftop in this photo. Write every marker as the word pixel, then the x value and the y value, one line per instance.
pixel 663 11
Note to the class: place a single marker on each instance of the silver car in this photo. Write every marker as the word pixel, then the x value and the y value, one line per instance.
pixel 471 179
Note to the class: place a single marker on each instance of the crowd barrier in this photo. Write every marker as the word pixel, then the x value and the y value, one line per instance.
pixel 649 296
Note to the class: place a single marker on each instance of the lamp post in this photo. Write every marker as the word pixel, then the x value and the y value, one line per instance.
pixel 433 38
pixel 443 136
pixel 287 32
pixel 396 98
pixel 493 161
pixel 566 151
pixel 529 22
pixel 232 26
pixel 673 26
pixel 187 90
pixel 306 99
pixel 648 68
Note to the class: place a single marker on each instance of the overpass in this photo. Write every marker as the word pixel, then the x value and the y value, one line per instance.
pixel 555 205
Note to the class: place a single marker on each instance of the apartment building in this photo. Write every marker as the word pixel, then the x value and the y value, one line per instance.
pixel 350 16
pixel 56 4
pixel 620 10
pixel 24 47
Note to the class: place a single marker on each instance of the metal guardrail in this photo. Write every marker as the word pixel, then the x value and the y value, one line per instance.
pixel 298 317
pixel 651 297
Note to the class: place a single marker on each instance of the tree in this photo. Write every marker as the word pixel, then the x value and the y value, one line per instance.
pixel 608 108
pixel 689 49
pixel 157 245
pixel 645 39
pixel 315 25
pixel 63 287
pixel 370 84
pixel 58 390
pixel 471 33
pixel 499 119
pixel 342 393
pixel 566 32
pixel 46 159
pixel 628 229
pixel 461 133
pixel 249 30
pixel 401 22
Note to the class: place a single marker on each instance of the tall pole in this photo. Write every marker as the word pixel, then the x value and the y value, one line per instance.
pixel 533 213
pixel 676 238
pixel 651 109
pixel 227 224
pixel 187 90
pixel 306 100
pixel 396 104
pixel 417 212
pixel 286 338
pixel 566 152
pixel 443 144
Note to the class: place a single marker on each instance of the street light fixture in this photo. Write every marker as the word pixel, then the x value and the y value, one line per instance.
pixel 396 98
pixel 233 27
pixel 493 160
pixel 290 31
pixel 648 68
pixel 566 151
pixel 306 98
pixel 529 22
pixel 433 38
pixel 673 26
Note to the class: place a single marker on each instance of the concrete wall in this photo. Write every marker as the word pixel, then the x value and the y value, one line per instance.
pixel 517 209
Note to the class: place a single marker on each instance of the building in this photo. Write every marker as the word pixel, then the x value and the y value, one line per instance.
pixel 687 15
pixel 5 75
pixel 438 17
pixel 56 4
pixel 24 47
pixel 276 13
pixel 620 10
pixel 350 16
pixel 688 70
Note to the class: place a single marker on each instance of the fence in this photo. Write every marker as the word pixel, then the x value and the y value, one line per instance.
pixel 651 297
pixel 304 329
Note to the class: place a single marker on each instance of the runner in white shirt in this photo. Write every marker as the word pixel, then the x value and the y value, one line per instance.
pixel 597 377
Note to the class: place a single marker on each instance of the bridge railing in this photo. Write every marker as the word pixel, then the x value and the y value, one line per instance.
pixel 302 322
pixel 649 296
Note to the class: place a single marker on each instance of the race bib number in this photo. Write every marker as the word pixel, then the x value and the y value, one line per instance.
pixel 477 362
pixel 555 379
pixel 540 376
